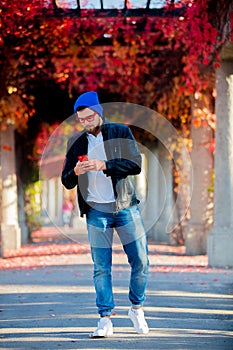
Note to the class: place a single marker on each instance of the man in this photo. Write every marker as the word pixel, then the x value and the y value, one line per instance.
pixel 108 155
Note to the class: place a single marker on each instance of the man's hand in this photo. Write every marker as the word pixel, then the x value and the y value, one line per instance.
pixel 96 164
pixel 92 164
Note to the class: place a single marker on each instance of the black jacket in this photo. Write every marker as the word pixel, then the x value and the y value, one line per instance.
pixel 123 159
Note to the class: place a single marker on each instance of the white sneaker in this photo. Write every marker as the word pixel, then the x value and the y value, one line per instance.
pixel 138 319
pixel 104 329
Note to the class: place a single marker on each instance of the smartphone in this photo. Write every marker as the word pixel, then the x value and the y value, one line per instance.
pixel 82 158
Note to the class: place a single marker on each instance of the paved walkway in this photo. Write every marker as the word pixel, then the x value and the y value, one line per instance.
pixel 53 306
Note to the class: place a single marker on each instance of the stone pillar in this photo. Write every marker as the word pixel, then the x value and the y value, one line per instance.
pixel 151 209
pixel 141 182
pixel 59 202
pixel 21 214
pixel 202 163
pixel 220 241
pixel 165 195
pixel 9 228
pixel 52 200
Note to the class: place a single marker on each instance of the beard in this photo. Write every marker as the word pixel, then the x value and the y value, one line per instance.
pixel 95 129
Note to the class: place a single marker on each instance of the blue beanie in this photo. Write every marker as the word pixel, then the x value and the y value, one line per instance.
pixel 90 100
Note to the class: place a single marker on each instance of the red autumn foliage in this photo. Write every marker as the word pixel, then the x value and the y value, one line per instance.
pixel 119 55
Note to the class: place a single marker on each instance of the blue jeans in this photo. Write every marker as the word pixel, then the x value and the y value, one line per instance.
pixel 130 229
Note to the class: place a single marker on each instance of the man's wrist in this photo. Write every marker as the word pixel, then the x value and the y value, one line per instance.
pixel 76 172
pixel 104 167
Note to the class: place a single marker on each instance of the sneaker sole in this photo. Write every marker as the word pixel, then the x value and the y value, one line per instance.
pixel 100 336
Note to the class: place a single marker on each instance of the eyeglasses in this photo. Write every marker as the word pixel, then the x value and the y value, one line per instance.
pixel 88 119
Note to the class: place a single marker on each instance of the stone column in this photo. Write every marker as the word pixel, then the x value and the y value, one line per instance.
pixel 220 241
pixel 141 182
pixel 151 210
pixel 52 200
pixel 165 195
pixel 59 202
pixel 202 164
pixel 21 214
pixel 9 227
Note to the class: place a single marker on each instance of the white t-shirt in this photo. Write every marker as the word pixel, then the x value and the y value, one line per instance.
pixel 100 189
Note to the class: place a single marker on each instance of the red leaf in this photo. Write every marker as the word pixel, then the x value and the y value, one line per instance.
pixel 7 148
pixel 197 123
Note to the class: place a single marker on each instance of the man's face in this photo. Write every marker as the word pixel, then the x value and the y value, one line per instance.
pixel 89 119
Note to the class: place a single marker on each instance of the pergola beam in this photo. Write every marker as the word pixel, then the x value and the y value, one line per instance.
pixel 142 12
pixel 148 4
